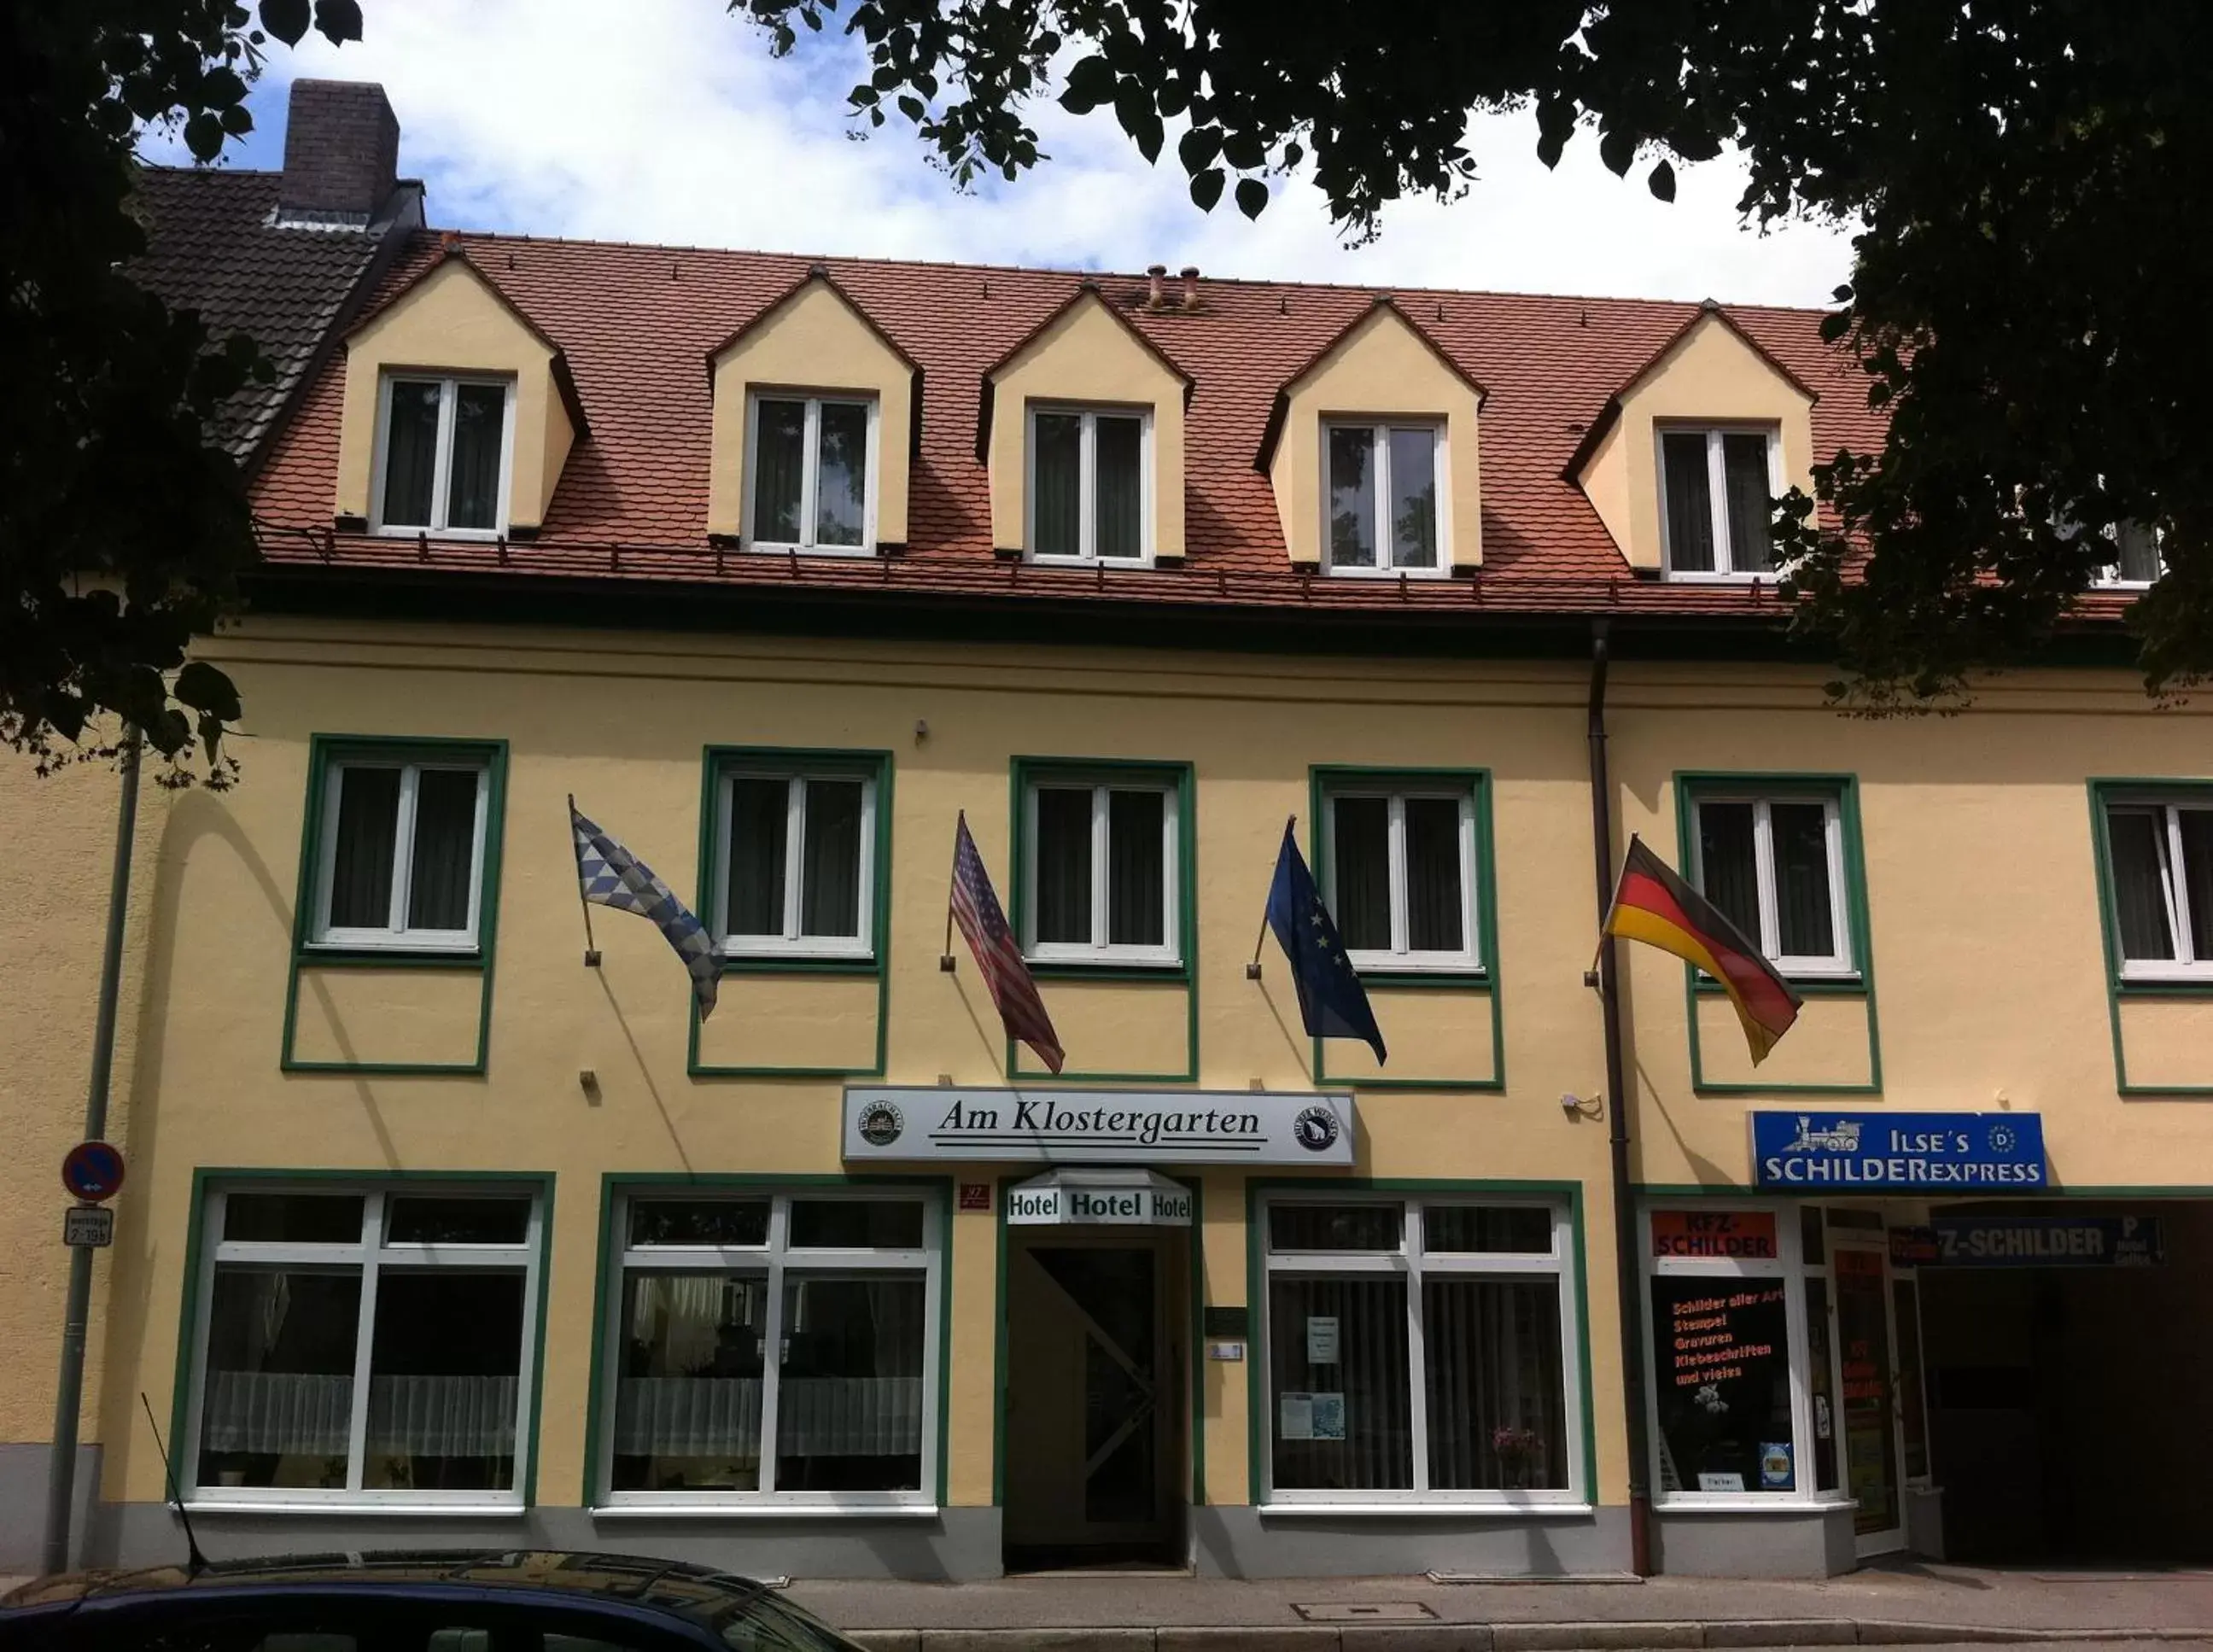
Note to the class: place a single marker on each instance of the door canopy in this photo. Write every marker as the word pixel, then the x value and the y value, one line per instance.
pixel 1110 1197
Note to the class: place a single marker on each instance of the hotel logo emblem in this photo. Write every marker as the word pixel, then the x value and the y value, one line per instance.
pixel 1315 1130
pixel 879 1127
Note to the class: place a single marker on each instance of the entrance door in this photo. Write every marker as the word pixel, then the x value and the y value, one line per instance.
pixel 1866 1370
pixel 1092 1394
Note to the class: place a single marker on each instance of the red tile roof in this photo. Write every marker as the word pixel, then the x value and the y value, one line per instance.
pixel 635 322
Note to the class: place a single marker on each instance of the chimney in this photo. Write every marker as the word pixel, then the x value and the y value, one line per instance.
pixel 1190 273
pixel 341 152
pixel 1156 276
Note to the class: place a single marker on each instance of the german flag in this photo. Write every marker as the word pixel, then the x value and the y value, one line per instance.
pixel 1652 905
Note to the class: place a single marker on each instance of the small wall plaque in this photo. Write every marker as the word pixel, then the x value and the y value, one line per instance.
pixel 1229 1322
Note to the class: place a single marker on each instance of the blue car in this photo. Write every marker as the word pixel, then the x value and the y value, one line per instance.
pixel 412 1601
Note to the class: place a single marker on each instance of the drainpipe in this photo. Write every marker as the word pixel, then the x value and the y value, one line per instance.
pixel 69 1398
pixel 1625 1249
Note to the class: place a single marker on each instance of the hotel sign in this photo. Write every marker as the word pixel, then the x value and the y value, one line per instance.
pixel 1898 1152
pixel 1182 1127
pixel 1075 1202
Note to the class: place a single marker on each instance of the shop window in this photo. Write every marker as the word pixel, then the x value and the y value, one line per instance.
pixel 796 860
pixel 1420 1351
pixel 399 862
pixel 1100 866
pixel 443 461
pixel 1383 497
pixel 2160 864
pixel 1717 488
pixel 1774 865
pixel 810 485
pixel 1401 874
pixel 364 1346
pixel 776 1347
pixel 1089 482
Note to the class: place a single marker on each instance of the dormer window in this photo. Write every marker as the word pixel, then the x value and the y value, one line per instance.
pixel 810 484
pixel 1089 482
pixel 1718 486
pixel 2136 560
pixel 1384 504
pixel 444 455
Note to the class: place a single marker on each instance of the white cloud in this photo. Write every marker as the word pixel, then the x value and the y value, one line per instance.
pixel 667 120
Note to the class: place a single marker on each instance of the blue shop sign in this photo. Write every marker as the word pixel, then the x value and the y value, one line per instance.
pixel 2048 1241
pixel 1898 1152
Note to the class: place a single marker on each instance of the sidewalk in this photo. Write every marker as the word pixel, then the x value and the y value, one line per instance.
pixel 1907 1604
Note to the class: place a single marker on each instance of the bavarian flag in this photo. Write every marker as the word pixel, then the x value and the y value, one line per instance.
pixel 1652 905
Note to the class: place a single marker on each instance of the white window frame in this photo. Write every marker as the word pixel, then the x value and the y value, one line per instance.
pixel 1789 1266
pixel 1098 949
pixel 2181 967
pixel 1838 966
pixel 1379 433
pixel 1717 498
pixel 810 472
pixel 369 1256
pixel 1412 1263
pixel 441 468
pixel 770 1262
pixel 1087 484
pixel 791 943
pixel 396 935
pixel 1400 956
pixel 2109 577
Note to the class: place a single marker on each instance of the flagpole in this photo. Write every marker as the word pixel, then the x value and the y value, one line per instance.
pixel 591 947
pixel 1253 969
pixel 945 958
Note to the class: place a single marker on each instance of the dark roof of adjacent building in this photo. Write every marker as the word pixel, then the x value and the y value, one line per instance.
pixel 214 244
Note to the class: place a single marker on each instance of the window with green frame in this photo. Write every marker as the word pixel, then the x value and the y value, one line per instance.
pixel 400 850
pixel 1400 869
pixel 2158 843
pixel 1103 852
pixel 1772 856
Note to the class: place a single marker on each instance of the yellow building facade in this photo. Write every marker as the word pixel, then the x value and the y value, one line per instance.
pixel 445 1223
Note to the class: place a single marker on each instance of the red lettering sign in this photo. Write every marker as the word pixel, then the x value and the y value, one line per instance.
pixel 1736 1235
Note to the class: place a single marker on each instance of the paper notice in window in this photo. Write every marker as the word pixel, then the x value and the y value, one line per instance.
pixel 1296 1418
pixel 1329 1416
pixel 1321 1340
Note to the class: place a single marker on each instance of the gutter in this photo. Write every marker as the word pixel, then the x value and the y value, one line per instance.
pixel 1627 1291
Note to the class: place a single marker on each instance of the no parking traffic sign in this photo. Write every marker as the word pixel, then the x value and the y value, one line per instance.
pixel 92 1171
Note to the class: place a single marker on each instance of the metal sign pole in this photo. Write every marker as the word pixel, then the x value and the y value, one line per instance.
pixel 69 1393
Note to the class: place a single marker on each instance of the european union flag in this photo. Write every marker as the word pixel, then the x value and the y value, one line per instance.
pixel 1332 1002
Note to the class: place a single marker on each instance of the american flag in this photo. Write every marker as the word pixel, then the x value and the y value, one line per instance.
pixel 976 909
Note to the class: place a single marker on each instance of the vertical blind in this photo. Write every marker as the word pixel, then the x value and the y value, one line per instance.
pixel 1352 497
pixel 1057 482
pixel 1360 863
pixel 1064 864
pixel 1118 487
pixel 1137 873
pixel 410 453
pixel 779 454
pixel 1690 502
pixel 841 475
pixel 1491 1354
pixel 1370 1373
pixel 1805 920
pixel 1414 497
pixel 441 873
pixel 1435 905
pixel 1751 509
pixel 830 884
pixel 479 422
pixel 368 839
pixel 760 816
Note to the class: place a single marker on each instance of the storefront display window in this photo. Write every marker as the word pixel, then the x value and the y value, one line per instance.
pixel 1723 1379
pixel 1420 1351
pixel 776 1347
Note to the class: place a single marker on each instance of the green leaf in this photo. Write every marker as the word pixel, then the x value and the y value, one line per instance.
pixel 204 688
pixel 1197 149
pixel 238 120
pixel 203 136
pixel 1661 181
pixel 1251 196
pixel 861 95
pixel 1090 83
pixel 1618 149
pixel 1244 151
pixel 911 106
pixel 1139 118
pixel 286 19
pixel 220 88
pixel 338 20
pixel 1206 187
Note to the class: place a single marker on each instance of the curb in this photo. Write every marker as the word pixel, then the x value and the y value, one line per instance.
pixel 1606 1636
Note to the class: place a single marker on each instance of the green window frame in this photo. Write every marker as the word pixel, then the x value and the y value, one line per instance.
pixel 1840 791
pixel 206 1248
pixel 2150 981
pixel 1474 963
pixel 619 1189
pixel 328 755
pixel 1176 958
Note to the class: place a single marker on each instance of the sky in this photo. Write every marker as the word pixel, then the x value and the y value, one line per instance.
pixel 669 121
